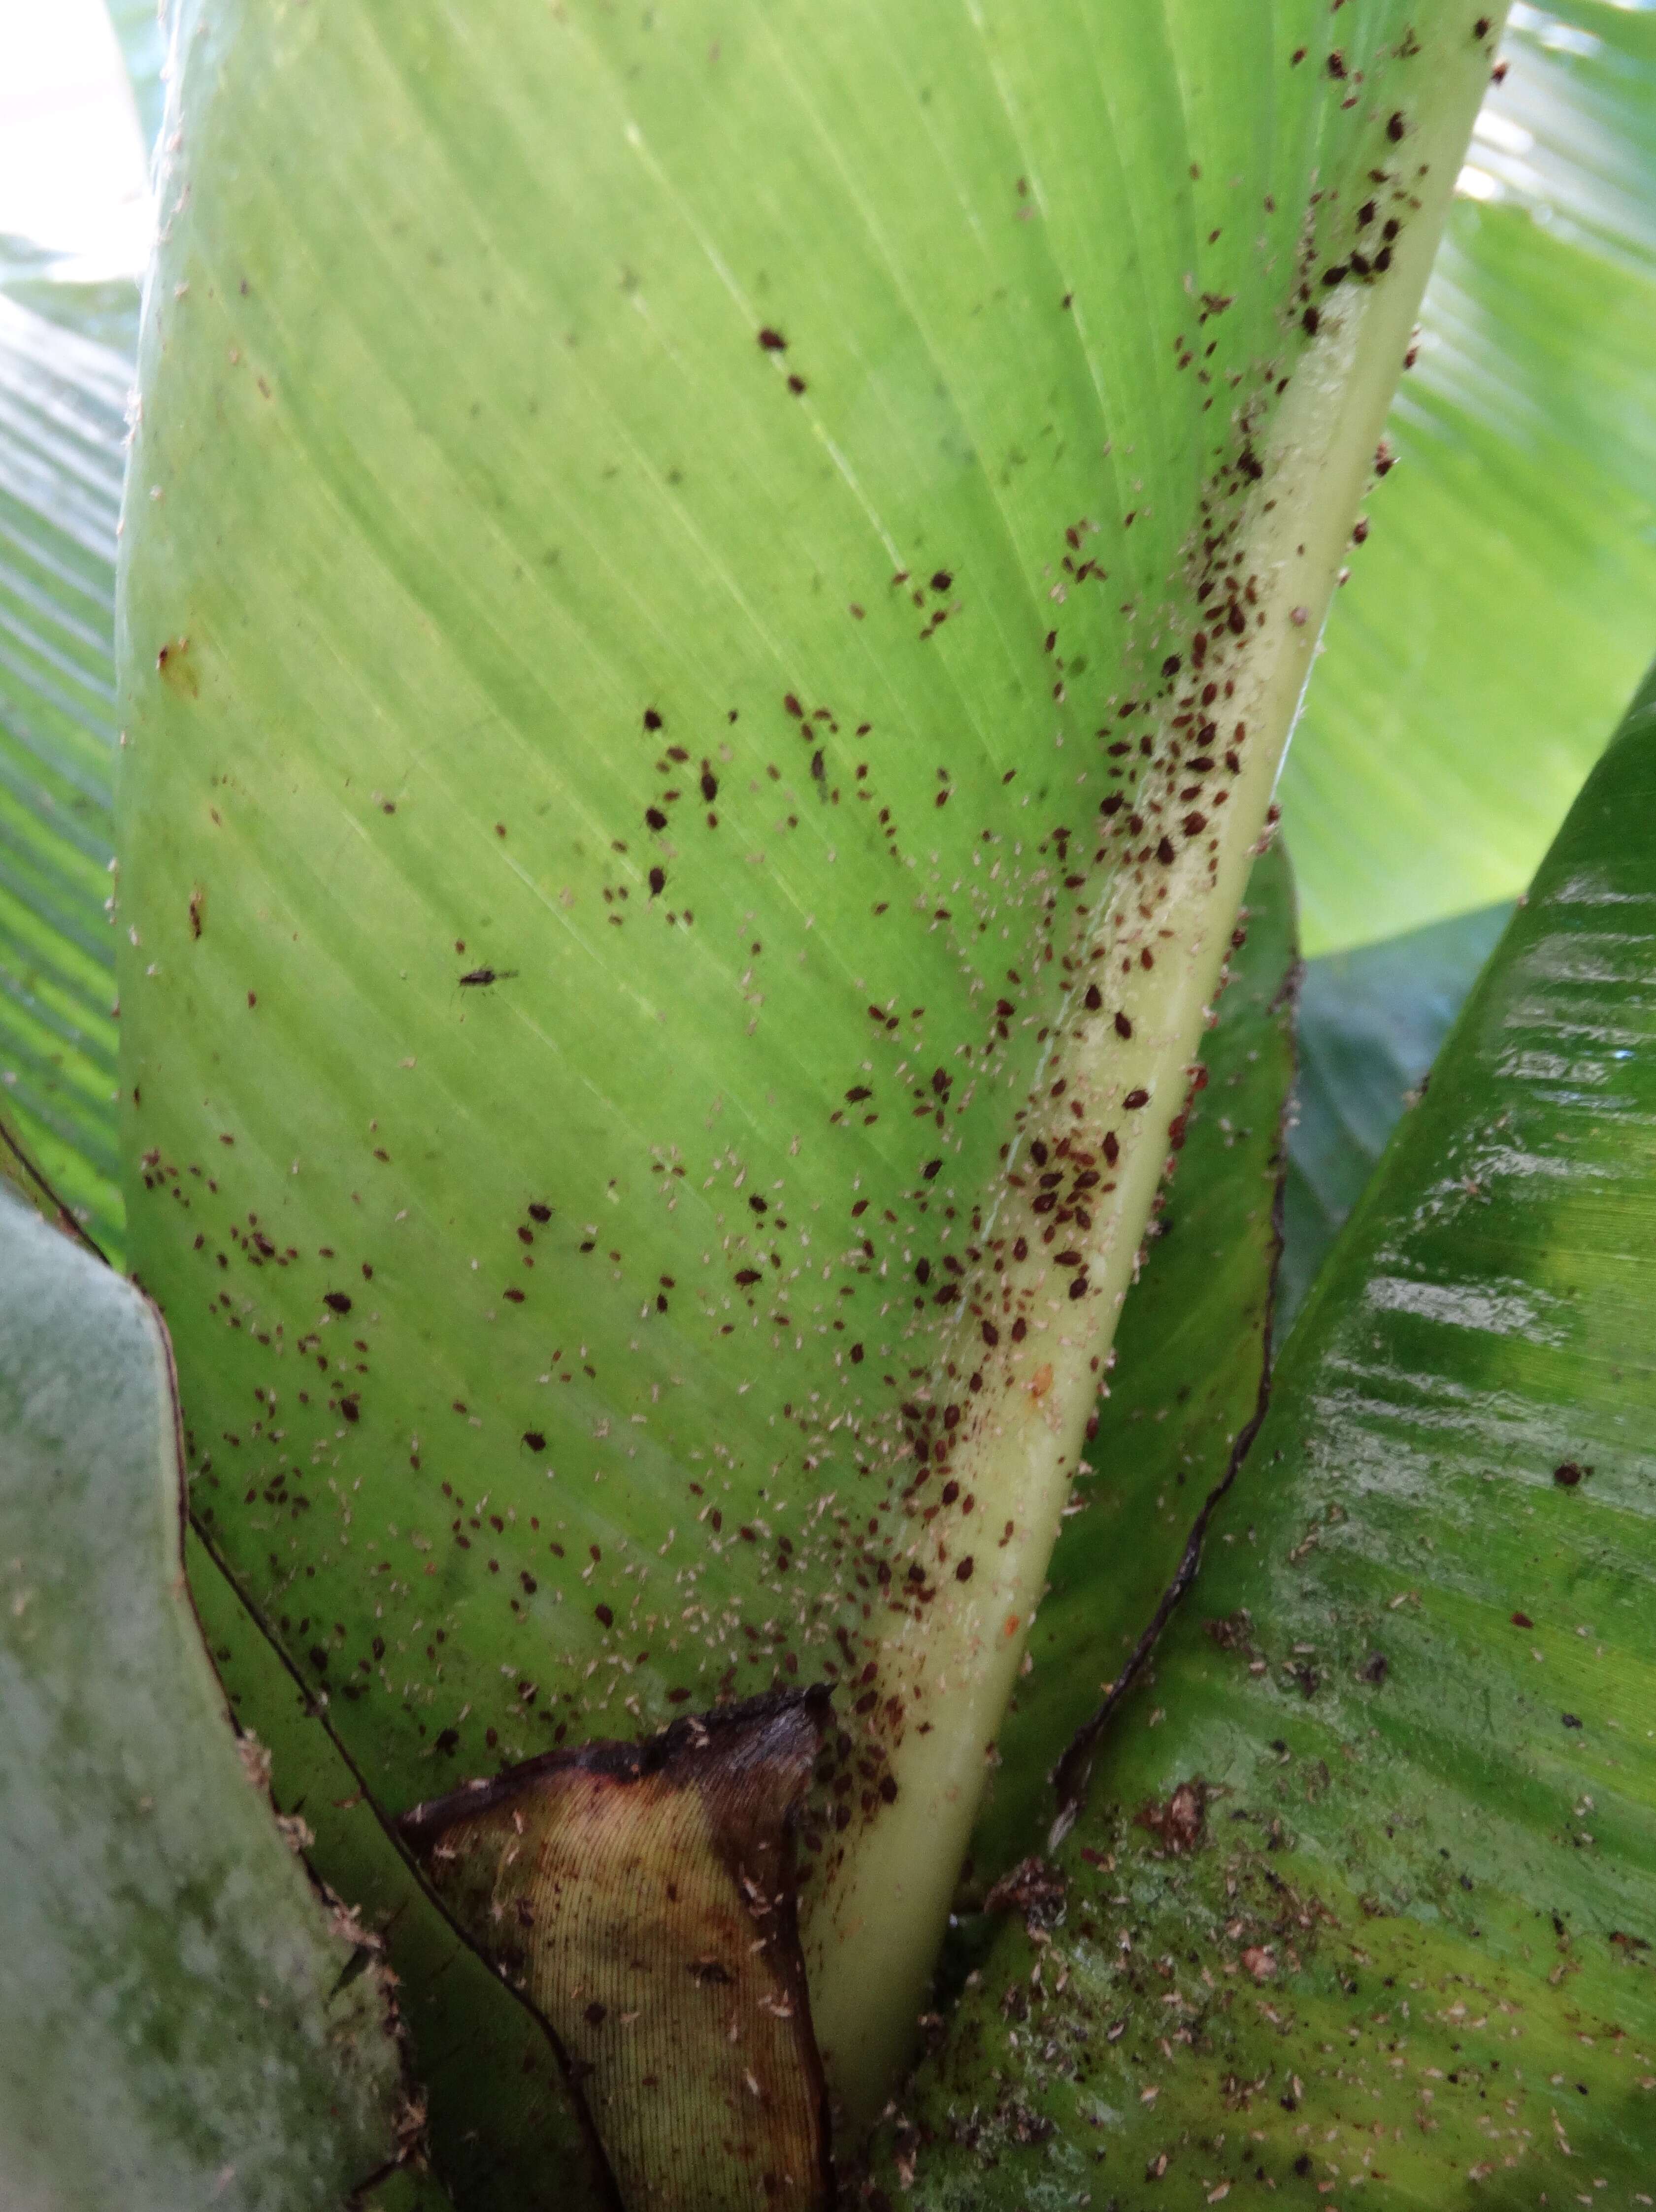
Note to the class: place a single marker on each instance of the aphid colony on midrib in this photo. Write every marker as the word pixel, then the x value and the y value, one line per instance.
pixel 854 1281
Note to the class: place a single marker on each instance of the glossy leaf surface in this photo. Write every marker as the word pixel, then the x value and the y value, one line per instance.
pixel 1373 1907
pixel 184 2023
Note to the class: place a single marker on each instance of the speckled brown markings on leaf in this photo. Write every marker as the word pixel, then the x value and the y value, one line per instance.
pixel 1034 1889
pixel 782 1430
pixel 641 1898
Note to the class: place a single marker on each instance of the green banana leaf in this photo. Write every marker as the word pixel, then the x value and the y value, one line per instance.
pixel 1497 616
pixel 66 355
pixel 1373 1908
pixel 63 398
pixel 636 687
pixel 186 2022
pixel 63 1140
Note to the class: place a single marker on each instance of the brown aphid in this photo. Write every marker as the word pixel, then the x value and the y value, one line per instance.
pixel 1033 1888
pixel 1180 1822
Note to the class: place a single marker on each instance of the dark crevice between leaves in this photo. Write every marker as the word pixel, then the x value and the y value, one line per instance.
pixel 1073 1774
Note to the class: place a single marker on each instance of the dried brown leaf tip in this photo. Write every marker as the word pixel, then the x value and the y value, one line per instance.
pixel 641 1898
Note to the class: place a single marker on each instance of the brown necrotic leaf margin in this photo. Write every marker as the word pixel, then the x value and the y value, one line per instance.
pixel 641 1899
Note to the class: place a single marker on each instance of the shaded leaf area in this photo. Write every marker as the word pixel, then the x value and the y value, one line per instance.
pixel 644 1898
pixel 63 398
pixel 508 2133
pixel 1374 1905
pixel 1189 1359
pixel 575 1237
pixel 1369 1025
pixel 1497 619
pixel 183 2022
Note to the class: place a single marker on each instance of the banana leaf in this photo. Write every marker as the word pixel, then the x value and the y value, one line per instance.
pixel 1496 617
pixel 1362 1899
pixel 1370 1024
pixel 187 2020
pixel 648 702
pixel 63 398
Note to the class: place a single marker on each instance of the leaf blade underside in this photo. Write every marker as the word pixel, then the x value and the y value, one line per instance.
pixel 567 1109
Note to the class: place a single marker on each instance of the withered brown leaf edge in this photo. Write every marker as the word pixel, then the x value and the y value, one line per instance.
pixel 617 1887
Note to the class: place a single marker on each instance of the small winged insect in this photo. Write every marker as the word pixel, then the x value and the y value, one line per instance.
pixel 480 978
